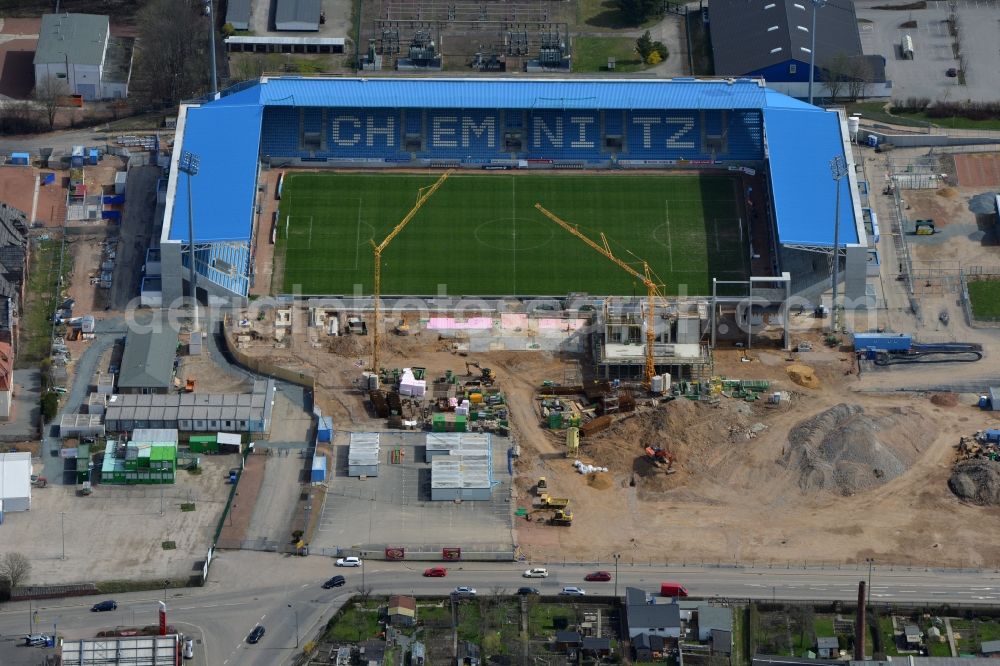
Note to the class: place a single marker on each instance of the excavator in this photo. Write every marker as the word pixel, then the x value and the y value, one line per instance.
pixel 661 458
pixel 560 517
pixel 486 375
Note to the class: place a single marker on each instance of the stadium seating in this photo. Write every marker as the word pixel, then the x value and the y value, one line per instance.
pixel 226 264
pixel 280 135
pixel 746 138
pixel 566 135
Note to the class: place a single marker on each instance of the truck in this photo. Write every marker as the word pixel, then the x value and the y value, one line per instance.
pixel 549 502
pixel 672 590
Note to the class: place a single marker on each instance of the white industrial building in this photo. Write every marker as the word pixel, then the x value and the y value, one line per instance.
pixel 461 465
pixel 15 482
pixel 78 49
pixel 362 456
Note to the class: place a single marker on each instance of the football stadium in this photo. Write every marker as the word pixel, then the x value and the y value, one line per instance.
pixel 716 180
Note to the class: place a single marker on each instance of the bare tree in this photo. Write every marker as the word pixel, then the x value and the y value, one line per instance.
pixel 861 75
pixel 49 93
pixel 15 568
pixel 836 74
pixel 19 117
pixel 171 51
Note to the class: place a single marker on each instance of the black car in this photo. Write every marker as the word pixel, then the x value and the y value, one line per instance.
pixel 256 634
pixel 525 591
pixel 336 581
pixel 102 606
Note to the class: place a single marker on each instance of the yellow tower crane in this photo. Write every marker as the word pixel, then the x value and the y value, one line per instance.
pixel 646 276
pixel 424 194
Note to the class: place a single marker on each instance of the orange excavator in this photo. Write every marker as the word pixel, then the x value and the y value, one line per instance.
pixel 661 458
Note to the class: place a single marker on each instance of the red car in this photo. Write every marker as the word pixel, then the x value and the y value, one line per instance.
pixel 435 572
pixel 599 576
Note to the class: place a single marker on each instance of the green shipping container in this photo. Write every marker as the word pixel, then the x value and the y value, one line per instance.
pixel 460 423
pixel 555 420
pixel 438 423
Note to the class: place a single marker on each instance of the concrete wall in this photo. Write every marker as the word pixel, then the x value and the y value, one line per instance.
pixel 262 367
pixel 918 140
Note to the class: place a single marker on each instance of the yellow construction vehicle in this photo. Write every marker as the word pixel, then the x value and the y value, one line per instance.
pixel 561 518
pixel 486 375
pixel 546 501
pixel 425 194
pixel 541 485
pixel 647 277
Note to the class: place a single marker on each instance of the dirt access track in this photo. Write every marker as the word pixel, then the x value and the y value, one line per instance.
pixel 858 483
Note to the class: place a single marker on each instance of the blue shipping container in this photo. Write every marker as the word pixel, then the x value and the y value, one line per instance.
pixel 21 159
pixel 883 341
pixel 93 155
pixel 324 430
pixel 318 474
pixel 992 435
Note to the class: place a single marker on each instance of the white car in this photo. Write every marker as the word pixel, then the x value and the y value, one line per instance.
pixel 349 562
pixel 572 592
pixel 536 573
pixel 464 591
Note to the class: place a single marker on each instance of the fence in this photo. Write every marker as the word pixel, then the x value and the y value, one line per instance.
pixel 974 274
pixel 262 367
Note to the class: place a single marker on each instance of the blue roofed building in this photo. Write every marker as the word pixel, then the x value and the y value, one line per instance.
pixel 735 125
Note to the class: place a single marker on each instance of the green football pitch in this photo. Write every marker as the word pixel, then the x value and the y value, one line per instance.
pixel 481 235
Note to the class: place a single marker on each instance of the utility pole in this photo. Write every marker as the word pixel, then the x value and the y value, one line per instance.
pixel 871 563
pixel 190 164
pixel 839 169
pixel 62 532
pixel 812 50
pixel 617 557
pixel 211 34
pixel 296 611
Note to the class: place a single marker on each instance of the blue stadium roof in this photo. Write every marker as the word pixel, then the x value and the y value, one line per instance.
pixel 801 144
pixel 226 139
pixel 685 93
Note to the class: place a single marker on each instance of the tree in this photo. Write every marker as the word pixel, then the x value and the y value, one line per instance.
pixel 861 76
pixel 644 45
pixel 49 93
pixel 14 568
pixel 171 51
pixel 836 74
pixel 637 11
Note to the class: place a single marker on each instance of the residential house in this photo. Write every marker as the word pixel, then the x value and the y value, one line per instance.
pixel 401 611
pixel 773 40
pixel 148 360
pixel 567 640
pixel 468 654
pixel 912 636
pixel 989 648
pixel 78 49
pixel 649 648
pixel 595 646
pixel 654 619
pixel 13 270
pixel 371 652
pixel 6 381
pixel 827 647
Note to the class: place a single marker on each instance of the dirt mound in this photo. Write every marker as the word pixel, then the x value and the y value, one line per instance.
pixel 802 375
pixel 944 399
pixel 598 481
pixel 847 449
pixel 976 481
pixel 947 192
pixel 349 345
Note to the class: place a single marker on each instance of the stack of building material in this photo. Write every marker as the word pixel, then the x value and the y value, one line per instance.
pixel 411 386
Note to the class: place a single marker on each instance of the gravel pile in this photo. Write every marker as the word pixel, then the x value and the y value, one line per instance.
pixel 976 481
pixel 847 449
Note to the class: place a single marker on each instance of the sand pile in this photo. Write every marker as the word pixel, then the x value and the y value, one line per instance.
pixel 802 375
pixel 947 192
pixel 976 481
pixel 944 399
pixel 349 345
pixel 847 449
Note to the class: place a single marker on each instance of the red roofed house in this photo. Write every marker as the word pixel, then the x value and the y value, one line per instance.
pixel 6 380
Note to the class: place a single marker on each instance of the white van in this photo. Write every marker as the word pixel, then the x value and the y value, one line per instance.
pixel 188 648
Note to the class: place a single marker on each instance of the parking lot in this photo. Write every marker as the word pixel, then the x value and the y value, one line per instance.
pixel 925 75
pixel 394 509
pixel 117 532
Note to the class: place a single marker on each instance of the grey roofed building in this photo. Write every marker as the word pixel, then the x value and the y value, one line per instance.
pixel 779 660
pixel 749 36
pixel 828 642
pixel 148 361
pixel 989 647
pixel 297 15
pixel 722 641
pixel 654 618
pixel 634 596
pixel 78 38
pixel 238 13
pixel 713 617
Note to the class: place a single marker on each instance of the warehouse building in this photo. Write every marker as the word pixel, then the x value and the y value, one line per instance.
pixel 362 456
pixel 131 650
pixel 78 49
pixel 195 412
pixel 461 465
pixel 148 361
pixel 15 482
pixel 297 15
pixel 238 14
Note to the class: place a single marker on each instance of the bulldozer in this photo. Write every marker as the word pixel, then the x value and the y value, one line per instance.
pixel 661 458
pixel 486 375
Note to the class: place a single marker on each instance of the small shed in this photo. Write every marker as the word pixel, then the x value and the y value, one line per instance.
pixel 15 482
pixel 827 647
pixel 363 454
pixel 402 611
pixel 121 179
pixel 229 442
pixel 913 636
pixel 994 398
pixel 568 640
pixel 989 648
pixel 20 159
pixel 297 15
pixel 318 472
pixel 595 646
pixel 324 429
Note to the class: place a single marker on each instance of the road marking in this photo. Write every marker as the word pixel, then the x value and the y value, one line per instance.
pixel 305 586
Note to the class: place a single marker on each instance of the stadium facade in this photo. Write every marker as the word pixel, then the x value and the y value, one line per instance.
pixel 288 122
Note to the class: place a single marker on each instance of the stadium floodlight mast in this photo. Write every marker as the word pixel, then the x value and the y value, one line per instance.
pixel 838 168
pixel 211 35
pixel 189 164
pixel 812 51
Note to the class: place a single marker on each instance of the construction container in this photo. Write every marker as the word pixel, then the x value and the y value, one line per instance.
pixel 318 472
pixel 93 156
pixel 555 420
pixel 324 430
pixel 438 423
pixel 77 157
pixel 460 423
pixel 203 444
pixel 656 384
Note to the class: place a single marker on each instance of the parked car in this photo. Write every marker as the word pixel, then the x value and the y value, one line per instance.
pixel 256 634
pixel 951 73
pixel 464 591
pixel 436 572
pixel 525 591
pixel 336 581
pixel 36 640
pixel 572 591
pixel 102 606
pixel 672 590
pixel 349 562
pixel 599 576
pixel 536 573
pixel 189 648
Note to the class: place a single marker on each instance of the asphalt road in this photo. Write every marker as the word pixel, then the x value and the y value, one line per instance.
pixel 238 596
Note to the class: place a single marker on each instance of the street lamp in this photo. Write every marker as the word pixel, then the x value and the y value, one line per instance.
pixel 871 563
pixel 617 557
pixel 211 34
pixel 812 50
pixel 838 167
pixel 62 532
pixel 296 611
pixel 190 164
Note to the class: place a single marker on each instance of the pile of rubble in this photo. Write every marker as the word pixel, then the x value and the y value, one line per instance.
pixel 984 445
pixel 976 475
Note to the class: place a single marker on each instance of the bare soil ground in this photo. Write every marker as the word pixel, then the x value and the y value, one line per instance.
pixel 734 497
